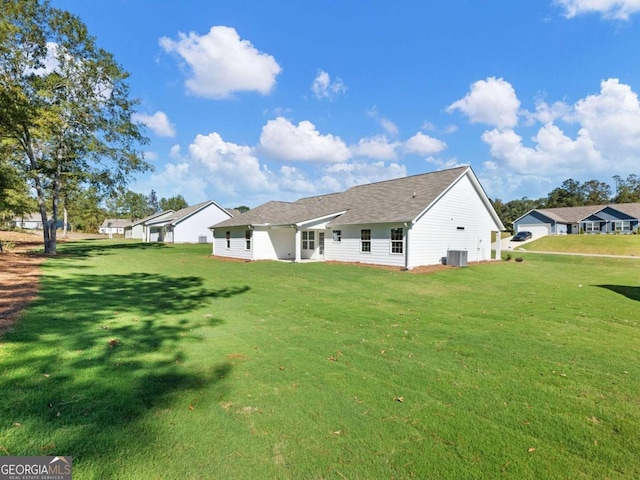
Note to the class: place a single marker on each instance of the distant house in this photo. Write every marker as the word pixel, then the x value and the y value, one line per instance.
pixel 406 222
pixel 188 225
pixel 137 228
pixel 31 221
pixel 612 218
pixel 113 226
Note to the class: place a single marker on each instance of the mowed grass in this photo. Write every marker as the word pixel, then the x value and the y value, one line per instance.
pixel 150 361
pixel 594 244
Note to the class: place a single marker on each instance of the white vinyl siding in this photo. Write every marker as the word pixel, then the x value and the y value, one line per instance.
pixel 348 249
pixel 197 225
pixel 437 230
pixel 237 243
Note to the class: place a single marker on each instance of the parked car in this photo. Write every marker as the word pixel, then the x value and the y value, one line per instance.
pixel 522 236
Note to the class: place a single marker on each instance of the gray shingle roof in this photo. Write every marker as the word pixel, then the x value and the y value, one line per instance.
pixel 150 217
pixel 390 201
pixel 576 214
pixel 179 215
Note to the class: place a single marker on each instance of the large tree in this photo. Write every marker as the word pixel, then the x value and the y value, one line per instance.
pixel 64 107
pixel 627 190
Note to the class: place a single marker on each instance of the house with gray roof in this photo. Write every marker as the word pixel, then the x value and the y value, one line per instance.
pixel 405 222
pixel 612 218
pixel 187 225
pixel 137 228
pixel 113 226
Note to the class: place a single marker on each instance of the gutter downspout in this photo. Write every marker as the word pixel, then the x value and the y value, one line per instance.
pixel 407 263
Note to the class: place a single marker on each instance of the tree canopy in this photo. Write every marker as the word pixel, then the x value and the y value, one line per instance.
pixel 173 203
pixel 65 111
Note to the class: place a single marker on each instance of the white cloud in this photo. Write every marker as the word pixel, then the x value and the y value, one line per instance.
pixel 324 88
pixel 378 148
pixel 388 126
pixel 492 101
pixel 341 176
pixel 222 63
pixel 233 169
pixel 554 152
pixel 443 164
pixel 422 144
pixel 158 123
pixel 177 179
pixel 613 9
pixel 548 113
pixel 612 120
pixel 282 140
pixel 151 156
pixel 607 139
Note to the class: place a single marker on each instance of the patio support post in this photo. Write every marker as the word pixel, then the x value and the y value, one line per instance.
pixel 298 245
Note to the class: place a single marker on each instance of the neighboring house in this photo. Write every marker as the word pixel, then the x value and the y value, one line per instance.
pixel 613 218
pixel 188 225
pixel 406 222
pixel 113 226
pixel 137 229
pixel 31 221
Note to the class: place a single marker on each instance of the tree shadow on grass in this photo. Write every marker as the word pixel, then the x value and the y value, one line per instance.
pixel 90 247
pixel 633 293
pixel 95 357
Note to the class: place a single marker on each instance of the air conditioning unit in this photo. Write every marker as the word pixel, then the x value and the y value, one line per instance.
pixel 457 258
pixel 202 239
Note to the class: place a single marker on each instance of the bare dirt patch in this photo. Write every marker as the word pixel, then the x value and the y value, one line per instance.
pixel 19 275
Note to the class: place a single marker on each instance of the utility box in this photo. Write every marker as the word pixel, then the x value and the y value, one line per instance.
pixel 457 258
pixel 202 239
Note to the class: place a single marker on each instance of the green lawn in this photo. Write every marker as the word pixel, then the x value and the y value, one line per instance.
pixel 151 361
pixel 599 244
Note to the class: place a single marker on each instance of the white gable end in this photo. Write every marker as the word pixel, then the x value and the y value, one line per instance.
pixel 459 220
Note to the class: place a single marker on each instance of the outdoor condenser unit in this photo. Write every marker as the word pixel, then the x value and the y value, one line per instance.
pixel 202 239
pixel 457 258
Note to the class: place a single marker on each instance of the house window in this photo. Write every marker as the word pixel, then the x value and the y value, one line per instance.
pixel 228 238
pixel 622 226
pixel 337 235
pixel 397 240
pixel 247 239
pixel 308 240
pixel 365 241
pixel 591 226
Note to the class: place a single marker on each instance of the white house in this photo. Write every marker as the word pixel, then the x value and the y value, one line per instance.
pixel 188 225
pixel 406 222
pixel 137 228
pixel 113 226
pixel 31 221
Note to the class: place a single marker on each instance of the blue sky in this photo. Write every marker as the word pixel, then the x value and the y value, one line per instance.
pixel 250 101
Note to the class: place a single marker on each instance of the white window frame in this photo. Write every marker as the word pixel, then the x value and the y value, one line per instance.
pixel 622 226
pixel 247 239
pixel 365 240
pixel 591 226
pixel 396 243
pixel 308 240
pixel 337 235
pixel 227 237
